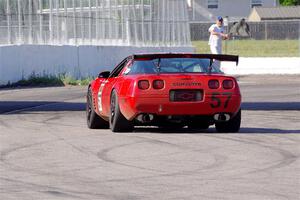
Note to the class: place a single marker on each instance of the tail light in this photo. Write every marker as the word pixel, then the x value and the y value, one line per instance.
pixel 227 84
pixel 213 84
pixel 158 84
pixel 143 84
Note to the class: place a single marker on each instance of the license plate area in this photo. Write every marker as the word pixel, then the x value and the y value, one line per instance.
pixel 186 95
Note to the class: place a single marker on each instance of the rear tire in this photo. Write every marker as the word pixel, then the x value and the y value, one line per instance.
pixel 232 126
pixel 94 121
pixel 117 121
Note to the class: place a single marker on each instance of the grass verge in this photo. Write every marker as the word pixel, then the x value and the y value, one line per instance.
pixel 255 48
pixel 48 81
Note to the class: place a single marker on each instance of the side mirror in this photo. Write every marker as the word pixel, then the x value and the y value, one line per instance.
pixel 104 74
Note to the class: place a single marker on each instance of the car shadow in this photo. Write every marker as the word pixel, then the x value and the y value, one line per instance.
pixel 9 106
pixel 243 130
pixel 269 106
pixel 27 107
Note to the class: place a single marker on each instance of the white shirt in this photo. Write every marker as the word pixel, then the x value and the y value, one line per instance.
pixel 215 40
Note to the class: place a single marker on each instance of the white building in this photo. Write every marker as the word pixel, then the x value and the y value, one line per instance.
pixel 207 10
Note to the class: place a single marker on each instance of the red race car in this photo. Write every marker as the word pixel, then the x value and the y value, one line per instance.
pixel 165 90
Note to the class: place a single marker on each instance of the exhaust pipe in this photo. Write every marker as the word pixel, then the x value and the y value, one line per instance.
pixel 145 118
pixel 222 117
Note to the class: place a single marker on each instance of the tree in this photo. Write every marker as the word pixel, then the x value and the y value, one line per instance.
pixel 289 2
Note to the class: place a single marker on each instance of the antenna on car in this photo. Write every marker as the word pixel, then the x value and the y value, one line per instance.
pixel 210 65
pixel 158 66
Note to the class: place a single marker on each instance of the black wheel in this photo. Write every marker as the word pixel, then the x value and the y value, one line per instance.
pixel 117 122
pixel 94 121
pixel 232 126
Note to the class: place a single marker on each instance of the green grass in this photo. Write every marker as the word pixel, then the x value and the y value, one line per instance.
pixel 37 81
pixel 47 81
pixel 69 80
pixel 255 48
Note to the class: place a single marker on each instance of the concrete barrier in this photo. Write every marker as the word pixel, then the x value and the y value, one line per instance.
pixel 270 65
pixel 20 61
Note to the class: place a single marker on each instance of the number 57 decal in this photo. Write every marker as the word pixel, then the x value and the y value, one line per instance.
pixel 216 101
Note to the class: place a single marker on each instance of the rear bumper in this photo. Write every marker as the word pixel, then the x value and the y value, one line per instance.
pixel 133 106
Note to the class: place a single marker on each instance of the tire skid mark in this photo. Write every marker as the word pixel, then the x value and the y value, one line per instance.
pixel 167 154
pixel 40 172
pixel 5 153
pixel 4 124
pixel 47 122
pixel 287 157
pixel 103 155
pixel 294 140
pixel 259 193
pixel 276 194
pixel 55 116
pixel 40 187
pixel 219 160
pixel 159 142
pixel 59 194
pixel 53 123
pixel 84 152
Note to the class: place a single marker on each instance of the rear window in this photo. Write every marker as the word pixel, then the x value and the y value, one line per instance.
pixel 172 65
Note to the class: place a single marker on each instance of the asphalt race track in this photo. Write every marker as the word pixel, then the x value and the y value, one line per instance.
pixel 47 152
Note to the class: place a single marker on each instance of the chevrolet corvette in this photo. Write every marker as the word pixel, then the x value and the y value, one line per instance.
pixel 168 90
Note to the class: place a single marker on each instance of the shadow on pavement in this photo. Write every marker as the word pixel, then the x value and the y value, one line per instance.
pixel 23 107
pixel 19 106
pixel 10 106
pixel 267 130
pixel 243 130
pixel 271 106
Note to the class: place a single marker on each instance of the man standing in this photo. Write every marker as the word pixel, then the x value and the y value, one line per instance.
pixel 216 36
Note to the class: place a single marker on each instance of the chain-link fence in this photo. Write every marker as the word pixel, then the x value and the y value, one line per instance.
pixel 266 38
pixel 95 22
pixel 266 30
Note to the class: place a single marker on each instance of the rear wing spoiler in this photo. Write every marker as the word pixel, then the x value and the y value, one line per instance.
pixel 223 57
pixel 220 57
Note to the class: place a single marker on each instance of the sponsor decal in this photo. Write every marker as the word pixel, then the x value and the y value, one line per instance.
pixel 100 96
pixel 186 84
